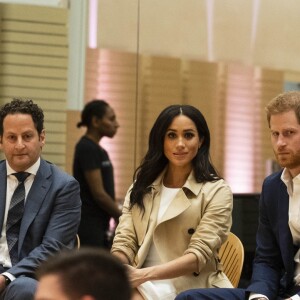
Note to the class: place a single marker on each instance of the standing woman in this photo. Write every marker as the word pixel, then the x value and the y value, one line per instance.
pixel 177 213
pixel 94 172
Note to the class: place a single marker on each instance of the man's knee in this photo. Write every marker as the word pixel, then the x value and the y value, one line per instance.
pixel 212 294
pixel 22 288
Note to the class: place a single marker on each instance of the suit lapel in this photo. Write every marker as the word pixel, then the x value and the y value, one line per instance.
pixel 35 198
pixel 285 236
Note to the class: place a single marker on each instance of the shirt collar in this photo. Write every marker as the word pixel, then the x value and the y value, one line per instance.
pixel 286 177
pixel 32 169
pixel 289 181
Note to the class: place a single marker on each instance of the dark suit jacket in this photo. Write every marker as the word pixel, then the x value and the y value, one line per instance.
pixel 51 216
pixel 273 268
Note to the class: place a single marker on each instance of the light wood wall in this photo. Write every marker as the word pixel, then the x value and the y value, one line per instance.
pixel 34 63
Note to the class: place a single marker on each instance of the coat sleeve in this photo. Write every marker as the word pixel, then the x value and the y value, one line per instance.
pixel 125 239
pixel 214 222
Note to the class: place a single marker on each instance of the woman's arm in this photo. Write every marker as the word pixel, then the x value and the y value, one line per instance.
pixel 186 264
pixel 104 201
pixel 122 257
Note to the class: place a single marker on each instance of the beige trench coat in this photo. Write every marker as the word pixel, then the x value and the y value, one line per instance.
pixel 197 221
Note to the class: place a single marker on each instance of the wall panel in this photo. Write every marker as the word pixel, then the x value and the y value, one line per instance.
pixel 34 63
pixel 111 76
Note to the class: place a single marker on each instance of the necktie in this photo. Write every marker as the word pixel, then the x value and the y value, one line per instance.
pixel 14 217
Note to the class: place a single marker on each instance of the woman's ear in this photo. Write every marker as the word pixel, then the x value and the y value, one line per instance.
pixel 200 143
pixel 95 121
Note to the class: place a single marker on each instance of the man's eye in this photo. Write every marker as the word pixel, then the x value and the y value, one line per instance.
pixel 27 137
pixel 274 134
pixel 11 137
pixel 289 133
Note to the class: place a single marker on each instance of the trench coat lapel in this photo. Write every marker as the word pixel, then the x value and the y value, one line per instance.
pixel 182 201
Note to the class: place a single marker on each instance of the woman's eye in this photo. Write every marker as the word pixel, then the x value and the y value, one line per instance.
pixel 171 135
pixel 189 135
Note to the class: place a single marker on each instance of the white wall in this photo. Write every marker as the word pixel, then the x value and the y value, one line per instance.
pixel 258 32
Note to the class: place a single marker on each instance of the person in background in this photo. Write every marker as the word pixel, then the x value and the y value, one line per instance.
pixel 39 203
pixel 276 267
pixel 177 213
pixel 84 274
pixel 94 172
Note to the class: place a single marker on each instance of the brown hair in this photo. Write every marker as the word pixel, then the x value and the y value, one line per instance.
pixel 283 103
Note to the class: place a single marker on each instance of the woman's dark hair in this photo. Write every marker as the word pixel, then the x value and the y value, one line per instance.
pixel 155 161
pixel 93 108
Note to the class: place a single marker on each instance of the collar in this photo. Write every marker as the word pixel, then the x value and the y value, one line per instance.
pixel 191 184
pixel 32 169
pixel 289 181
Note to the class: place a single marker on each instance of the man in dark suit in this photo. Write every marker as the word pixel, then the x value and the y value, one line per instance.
pixel 50 211
pixel 276 267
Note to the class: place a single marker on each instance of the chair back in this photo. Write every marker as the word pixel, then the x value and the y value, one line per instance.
pixel 77 242
pixel 231 255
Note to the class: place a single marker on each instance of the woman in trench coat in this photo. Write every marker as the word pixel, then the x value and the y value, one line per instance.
pixel 177 213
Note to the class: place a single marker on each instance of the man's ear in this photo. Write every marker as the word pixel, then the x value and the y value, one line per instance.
pixel 42 138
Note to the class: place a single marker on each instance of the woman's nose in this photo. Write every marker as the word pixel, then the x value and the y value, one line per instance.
pixel 180 142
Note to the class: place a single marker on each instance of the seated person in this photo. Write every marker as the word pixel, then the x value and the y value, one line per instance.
pixel 177 213
pixel 39 204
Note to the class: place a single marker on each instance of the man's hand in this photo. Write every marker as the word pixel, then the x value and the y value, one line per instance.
pixel 2 283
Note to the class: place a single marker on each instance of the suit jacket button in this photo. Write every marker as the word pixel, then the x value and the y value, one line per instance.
pixel 191 230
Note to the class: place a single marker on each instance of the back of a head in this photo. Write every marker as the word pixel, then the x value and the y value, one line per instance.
pixel 89 271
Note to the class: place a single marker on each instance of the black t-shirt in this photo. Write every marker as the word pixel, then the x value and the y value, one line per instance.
pixel 90 156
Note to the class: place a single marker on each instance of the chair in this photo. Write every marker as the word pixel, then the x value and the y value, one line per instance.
pixel 231 255
pixel 77 242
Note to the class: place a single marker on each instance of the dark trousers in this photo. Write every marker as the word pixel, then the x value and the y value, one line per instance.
pixel 225 294
pixel 22 288
pixel 212 294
